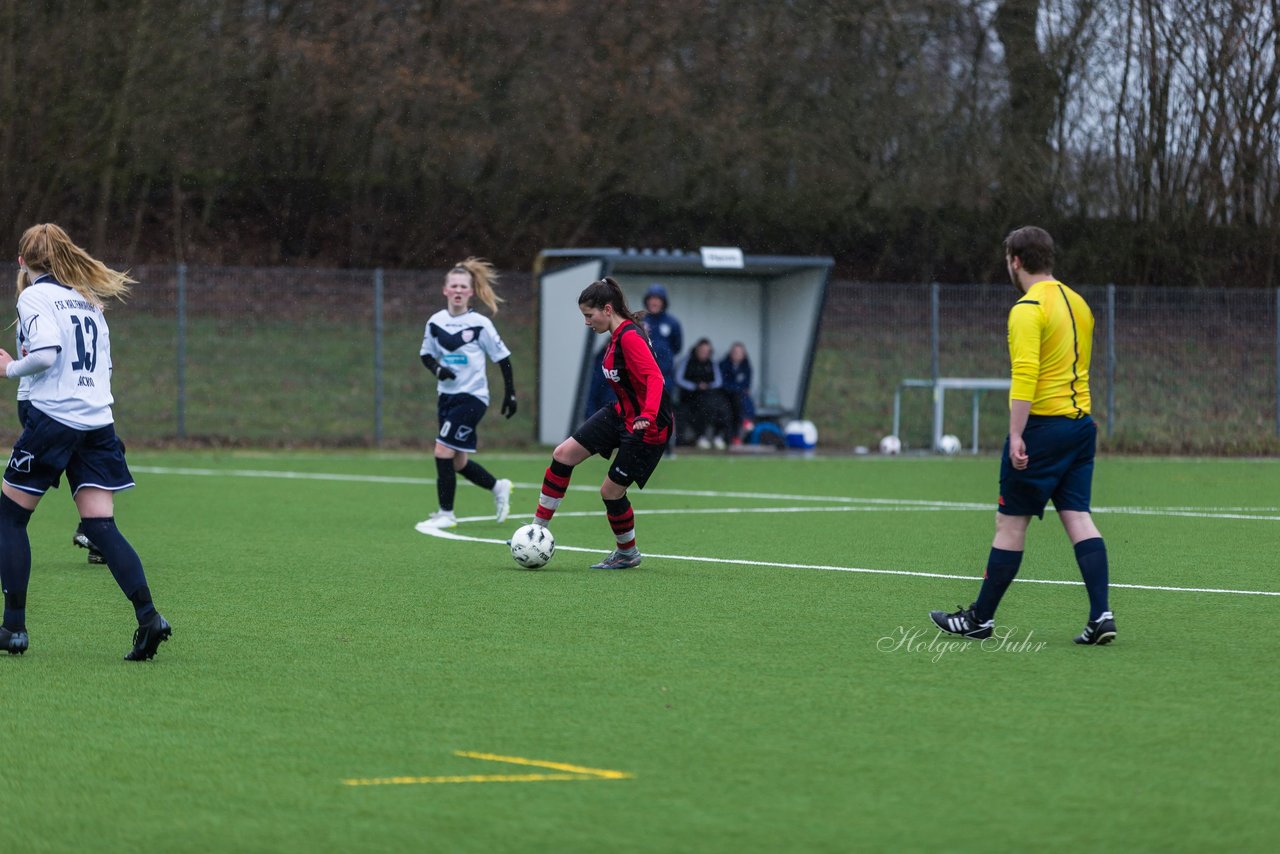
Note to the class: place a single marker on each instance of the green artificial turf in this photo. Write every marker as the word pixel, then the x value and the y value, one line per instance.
pixel 765 681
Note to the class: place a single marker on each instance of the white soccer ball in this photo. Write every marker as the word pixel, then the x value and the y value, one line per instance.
pixel 949 445
pixel 890 445
pixel 532 546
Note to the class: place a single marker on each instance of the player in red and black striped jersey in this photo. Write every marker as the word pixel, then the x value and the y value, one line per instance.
pixel 638 425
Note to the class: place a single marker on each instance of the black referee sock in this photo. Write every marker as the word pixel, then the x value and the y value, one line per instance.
pixel 478 475
pixel 15 562
pixel 123 562
pixel 15 611
pixel 446 483
pixel 1091 555
pixel 1002 567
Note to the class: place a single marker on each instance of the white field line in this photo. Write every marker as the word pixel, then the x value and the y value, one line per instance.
pixel 848 504
pixel 452 534
pixel 1261 514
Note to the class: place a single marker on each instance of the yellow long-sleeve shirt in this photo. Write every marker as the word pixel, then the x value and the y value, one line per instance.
pixel 1050 346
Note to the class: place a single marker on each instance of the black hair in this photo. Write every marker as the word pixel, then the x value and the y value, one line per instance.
pixel 607 291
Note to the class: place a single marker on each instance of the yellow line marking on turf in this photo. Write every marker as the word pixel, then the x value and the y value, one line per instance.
pixel 571 772
pixel 541 763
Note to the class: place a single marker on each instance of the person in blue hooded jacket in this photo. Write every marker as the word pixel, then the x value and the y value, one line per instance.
pixel 667 338
pixel 664 331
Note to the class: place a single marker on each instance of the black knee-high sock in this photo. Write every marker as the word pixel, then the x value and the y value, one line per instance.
pixel 446 483
pixel 478 475
pixel 123 562
pixel 1091 555
pixel 1002 567
pixel 15 562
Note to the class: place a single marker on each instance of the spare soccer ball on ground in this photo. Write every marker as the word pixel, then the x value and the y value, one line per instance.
pixel 890 445
pixel 532 546
pixel 949 444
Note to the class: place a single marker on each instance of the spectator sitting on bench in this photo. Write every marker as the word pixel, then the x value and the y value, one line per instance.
pixel 702 397
pixel 735 371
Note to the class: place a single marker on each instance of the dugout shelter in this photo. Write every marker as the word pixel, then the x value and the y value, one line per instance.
pixel 771 303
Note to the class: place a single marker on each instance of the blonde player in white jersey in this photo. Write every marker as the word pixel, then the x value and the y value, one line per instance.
pixel 69 427
pixel 456 343
pixel 24 409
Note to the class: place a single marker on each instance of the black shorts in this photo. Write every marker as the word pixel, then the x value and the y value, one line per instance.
pixel 603 432
pixel 460 415
pixel 47 448
pixel 1060 453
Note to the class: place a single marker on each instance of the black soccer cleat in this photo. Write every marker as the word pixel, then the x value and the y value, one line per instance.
pixel 1098 632
pixel 147 639
pixel 80 539
pixel 14 643
pixel 962 622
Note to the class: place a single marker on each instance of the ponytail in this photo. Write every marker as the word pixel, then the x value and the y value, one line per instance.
pixel 483 277
pixel 607 291
pixel 46 248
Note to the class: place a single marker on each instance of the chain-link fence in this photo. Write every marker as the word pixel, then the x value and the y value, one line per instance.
pixel 1173 370
pixel 278 357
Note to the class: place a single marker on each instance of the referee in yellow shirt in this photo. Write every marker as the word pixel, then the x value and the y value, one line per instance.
pixel 1050 449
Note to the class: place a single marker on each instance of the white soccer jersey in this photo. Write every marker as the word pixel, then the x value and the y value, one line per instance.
pixel 460 344
pixel 76 390
pixel 24 383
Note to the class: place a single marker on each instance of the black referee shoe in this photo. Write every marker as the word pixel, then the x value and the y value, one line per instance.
pixel 1098 632
pixel 962 622
pixel 14 643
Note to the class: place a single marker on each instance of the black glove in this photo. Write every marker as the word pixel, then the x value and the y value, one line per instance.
pixel 509 403
pixel 439 370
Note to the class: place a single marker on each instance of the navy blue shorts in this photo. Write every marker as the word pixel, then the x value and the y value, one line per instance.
pixel 1060 467
pixel 604 432
pixel 460 415
pixel 47 448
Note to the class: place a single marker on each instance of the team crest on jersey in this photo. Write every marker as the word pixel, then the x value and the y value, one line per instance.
pixel 21 461
pixel 454 340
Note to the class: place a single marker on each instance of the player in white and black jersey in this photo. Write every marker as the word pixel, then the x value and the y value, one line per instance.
pixel 456 346
pixel 79 538
pixel 69 428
